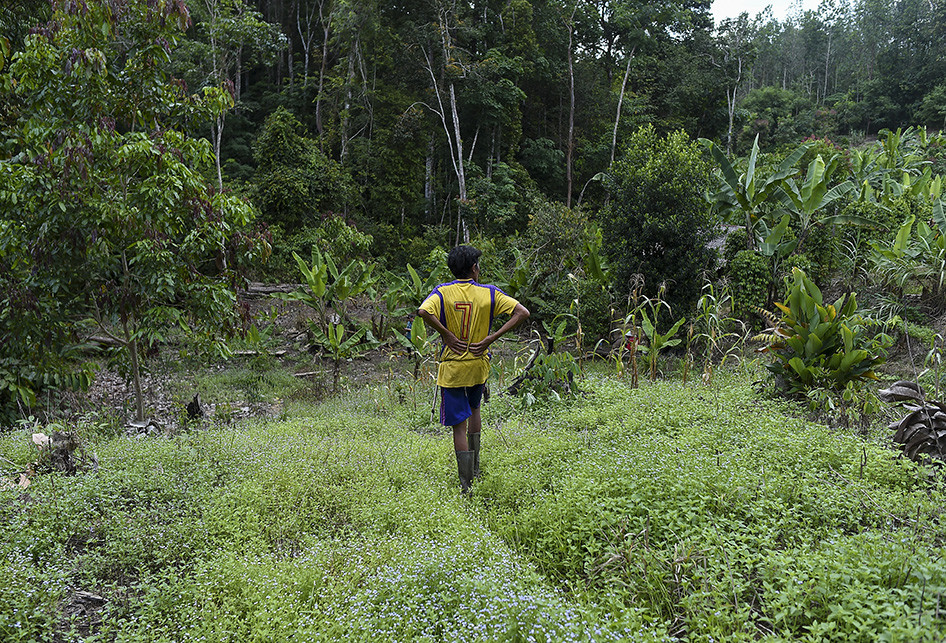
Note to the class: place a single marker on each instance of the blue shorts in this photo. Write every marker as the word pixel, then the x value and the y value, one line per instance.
pixel 457 404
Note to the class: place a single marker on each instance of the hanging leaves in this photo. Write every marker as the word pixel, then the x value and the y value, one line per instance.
pixel 921 433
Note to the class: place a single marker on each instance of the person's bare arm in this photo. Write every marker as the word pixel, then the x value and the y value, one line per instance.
pixel 519 314
pixel 450 340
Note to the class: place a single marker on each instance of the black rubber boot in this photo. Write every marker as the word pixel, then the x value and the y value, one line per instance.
pixel 465 467
pixel 474 441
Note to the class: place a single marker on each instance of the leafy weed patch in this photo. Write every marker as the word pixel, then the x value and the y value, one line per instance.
pixel 658 513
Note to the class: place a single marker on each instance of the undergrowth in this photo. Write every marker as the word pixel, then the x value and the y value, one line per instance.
pixel 665 512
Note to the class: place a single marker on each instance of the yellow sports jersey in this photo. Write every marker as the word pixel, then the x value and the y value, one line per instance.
pixel 467 309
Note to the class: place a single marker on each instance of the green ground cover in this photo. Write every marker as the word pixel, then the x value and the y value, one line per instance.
pixel 671 511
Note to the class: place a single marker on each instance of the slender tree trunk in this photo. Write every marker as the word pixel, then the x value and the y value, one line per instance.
pixel 571 109
pixel 455 143
pixel 216 128
pixel 617 116
pixel 492 156
pixel 326 30
pixel 476 136
pixel 731 105
pixel 499 143
pixel 306 43
pixel 290 67
pixel 238 76
pixel 461 174
pixel 429 178
pixel 131 343
pixel 216 136
pixel 347 108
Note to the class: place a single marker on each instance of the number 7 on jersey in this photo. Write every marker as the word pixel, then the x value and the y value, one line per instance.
pixel 465 308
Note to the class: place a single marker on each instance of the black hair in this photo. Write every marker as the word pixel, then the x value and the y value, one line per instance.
pixel 461 260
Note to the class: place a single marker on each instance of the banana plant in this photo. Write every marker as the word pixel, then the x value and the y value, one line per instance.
pixel 893 263
pixel 917 254
pixel 341 349
pixel 777 244
pixel 525 282
pixel 388 306
pixel 901 150
pixel 595 266
pixel 930 258
pixel 417 288
pixel 417 343
pixel 810 200
pixel 348 282
pixel 745 197
pixel 327 286
pixel 939 218
pixel 895 168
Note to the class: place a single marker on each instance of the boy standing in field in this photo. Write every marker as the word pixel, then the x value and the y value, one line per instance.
pixel 462 312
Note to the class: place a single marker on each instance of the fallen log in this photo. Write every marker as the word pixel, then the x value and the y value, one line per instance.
pixel 257 290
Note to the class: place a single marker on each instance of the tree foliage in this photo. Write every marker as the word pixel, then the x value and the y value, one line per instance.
pixel 657 223
pixel 106 215
pixel 296 182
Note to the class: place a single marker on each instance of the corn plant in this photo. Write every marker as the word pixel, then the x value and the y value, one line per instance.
pixel 713 329
pixel 656 342
pixel 629 331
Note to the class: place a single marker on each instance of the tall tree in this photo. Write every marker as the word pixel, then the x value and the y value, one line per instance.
pixel 111 214
pixel 228 35
pixel 736 41
pixel 657 223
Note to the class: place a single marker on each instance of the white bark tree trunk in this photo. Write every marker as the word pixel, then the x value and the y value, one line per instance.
pixel 617 117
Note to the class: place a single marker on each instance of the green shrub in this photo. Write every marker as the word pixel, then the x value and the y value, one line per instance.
pixel 815 346
pixel 822 255
pixel 333 236
pixel 750 281
pixel 887 220
pixel 499 203
pixel 800 261
pixel 593 307
pixel 735 243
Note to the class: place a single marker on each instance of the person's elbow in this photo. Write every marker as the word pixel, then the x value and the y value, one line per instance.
pixel 522 312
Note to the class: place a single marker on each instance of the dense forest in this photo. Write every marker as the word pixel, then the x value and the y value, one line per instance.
pixel 434 112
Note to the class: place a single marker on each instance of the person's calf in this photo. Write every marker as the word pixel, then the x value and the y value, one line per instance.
pixel 459 437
